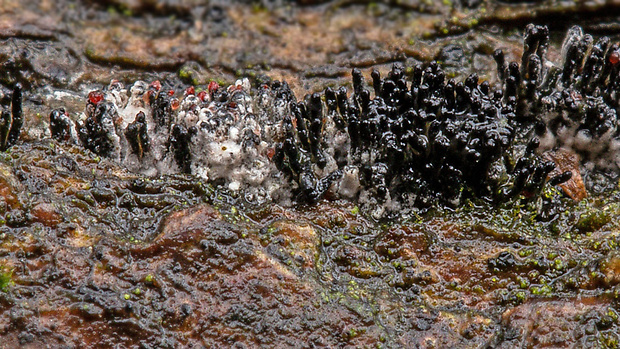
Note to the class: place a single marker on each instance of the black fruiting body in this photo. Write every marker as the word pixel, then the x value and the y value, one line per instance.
pixel 179 142
pixel 433 138
pixel 11 121
pixel 98 130
pixel 6 120
pixel 162 109
pixel 60 125
pixel 411 138
pixel 17 114
pixel 137 136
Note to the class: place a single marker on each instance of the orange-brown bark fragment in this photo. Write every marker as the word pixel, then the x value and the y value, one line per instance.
pixel 567 160
pixel 46 214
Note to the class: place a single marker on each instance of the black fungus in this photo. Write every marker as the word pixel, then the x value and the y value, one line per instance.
pixel 426 137
pixel 179 143
pixel 98 133
pixel 11 121
pixel 17 114
pixel 137 136
pixel 60 125
pixel 412 135
pixel 162 108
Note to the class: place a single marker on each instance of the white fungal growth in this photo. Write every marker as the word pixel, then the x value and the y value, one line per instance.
pixel 231 145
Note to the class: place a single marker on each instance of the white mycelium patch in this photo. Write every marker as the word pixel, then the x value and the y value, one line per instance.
pixel 232 144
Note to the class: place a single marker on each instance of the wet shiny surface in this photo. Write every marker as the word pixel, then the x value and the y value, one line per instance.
pixel 93 255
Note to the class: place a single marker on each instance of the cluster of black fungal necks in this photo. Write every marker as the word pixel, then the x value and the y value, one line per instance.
pixel 411 140
pixel 424 137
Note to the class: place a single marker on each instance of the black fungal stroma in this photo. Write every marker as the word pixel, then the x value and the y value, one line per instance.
pixel 445 139
pixel 11 119
pixel 419 140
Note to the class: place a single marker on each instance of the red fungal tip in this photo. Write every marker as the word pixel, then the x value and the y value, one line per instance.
pixel 174 103
pixel 95 97
pixel 202 95
pixel 614 58
pixel 156 85
pixel 190 91
pixel 213 86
